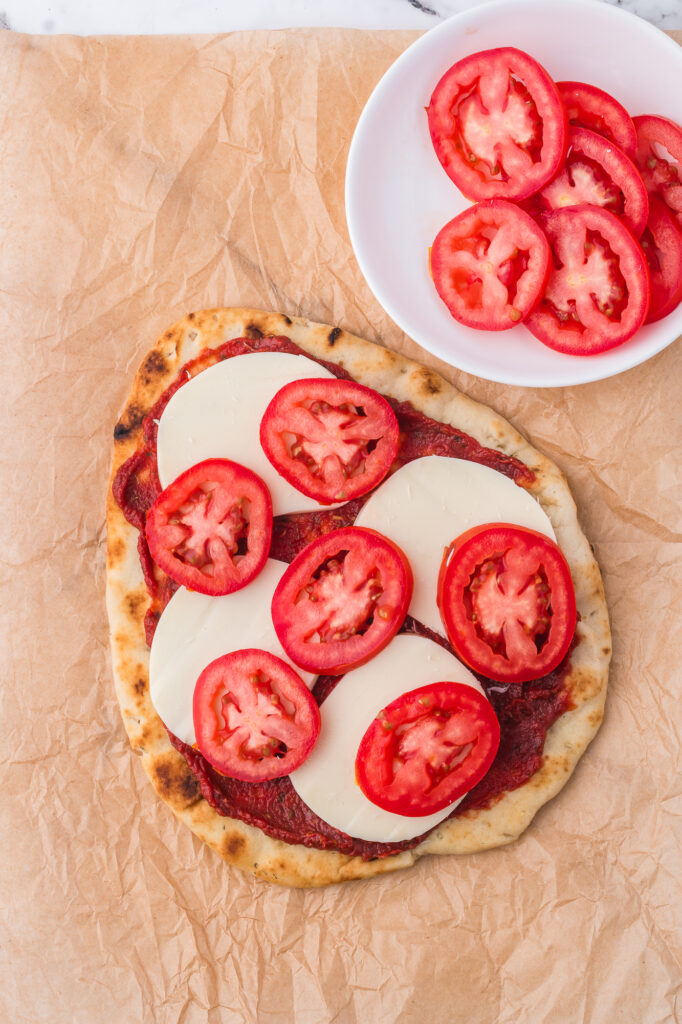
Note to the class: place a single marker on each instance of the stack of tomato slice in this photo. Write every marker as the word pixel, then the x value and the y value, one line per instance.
pixel 504 592
pixel 577 227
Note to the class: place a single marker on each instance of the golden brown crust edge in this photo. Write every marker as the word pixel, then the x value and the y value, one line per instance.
pixel 127 600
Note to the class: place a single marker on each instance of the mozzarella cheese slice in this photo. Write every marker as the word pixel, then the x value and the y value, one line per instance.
pixel 431 501
pixel 195 629
pixel 326 780
pixel 217 414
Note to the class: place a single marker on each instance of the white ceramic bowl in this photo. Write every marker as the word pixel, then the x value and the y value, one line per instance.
pixel 398 196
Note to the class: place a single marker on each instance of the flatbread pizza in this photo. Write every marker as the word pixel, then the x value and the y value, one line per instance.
pixel 133 602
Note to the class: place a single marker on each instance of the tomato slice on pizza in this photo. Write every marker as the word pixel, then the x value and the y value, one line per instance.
pixel 333 440
pixel 498 125
pixel 427 748
pixel 342 600
pixel 593 108
pixel 210 530
pixel 254 717
pixel 490 265
pixel 507 602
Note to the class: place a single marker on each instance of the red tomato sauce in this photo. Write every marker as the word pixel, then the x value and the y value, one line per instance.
pixel 525 712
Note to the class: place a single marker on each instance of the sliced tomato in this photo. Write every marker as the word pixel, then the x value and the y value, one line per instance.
pixel 507 602
pixel 427 748
pixel 590 107
pixel 490 265
pixel 254 717
pixel 597 294
pixel 662 245
pixel 659 158
pixel 210 530
pixel 342 600
pixel 598 173
pixel 498 125
pixel 331 439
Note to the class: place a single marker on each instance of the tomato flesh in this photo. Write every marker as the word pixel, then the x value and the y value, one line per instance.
pixel 597 295
pixel 498 125
pixel 427 748
pixel 341 600
pixel 598 174
pixel 590 107
pixel 662 245
pixel 507 602
pixel 210 529
pixel 659 159
pixel 254 717
pixel 333 440
pixel 490 265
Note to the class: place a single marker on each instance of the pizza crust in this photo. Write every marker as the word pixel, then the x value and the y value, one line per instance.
pixel 247 847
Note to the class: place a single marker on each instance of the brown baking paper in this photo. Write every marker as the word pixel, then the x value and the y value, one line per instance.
pixel 142 178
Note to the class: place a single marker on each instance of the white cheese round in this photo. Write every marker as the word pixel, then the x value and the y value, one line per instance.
pixel 326 780
pixel 217 415
pixel 195 629
pixel 429 502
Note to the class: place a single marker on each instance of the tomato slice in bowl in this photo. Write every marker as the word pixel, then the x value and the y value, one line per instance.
pixel 599 174
pixel 254 717
pixel 333 440
pixel 210 530
pixel 659 159
pixel 662 245
pixel 498 125
pixel 597 295
pixel 590 107
pixel 507 602
pixel 427 748
pixel 490 265
pixel 342 600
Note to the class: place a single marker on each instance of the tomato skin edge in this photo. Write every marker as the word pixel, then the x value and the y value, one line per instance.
pixel 627 134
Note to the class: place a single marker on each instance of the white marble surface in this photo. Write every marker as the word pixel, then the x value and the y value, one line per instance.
pixel 90 17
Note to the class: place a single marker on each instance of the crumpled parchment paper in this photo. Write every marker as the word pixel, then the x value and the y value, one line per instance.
pixel 142 178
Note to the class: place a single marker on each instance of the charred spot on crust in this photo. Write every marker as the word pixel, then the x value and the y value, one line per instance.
pixel 253 332
pixel 117 551
pixel 431 383
pixel 155 361
pixel 175 782
pixel 135 602
pixel 190 316
pixel 233 844
pixel 140 686
pixel 131 420
pixel 287 320
pixel 333 335
pixel 154 365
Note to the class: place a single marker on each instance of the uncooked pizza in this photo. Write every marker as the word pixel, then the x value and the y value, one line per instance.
pixel 354 619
